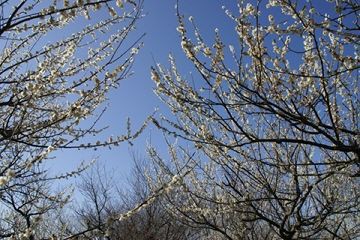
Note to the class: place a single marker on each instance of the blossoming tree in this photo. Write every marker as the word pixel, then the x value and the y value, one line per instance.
pixel 48 85
pixel 273 122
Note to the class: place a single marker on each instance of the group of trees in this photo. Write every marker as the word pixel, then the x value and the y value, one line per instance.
pixel 266 132
pixel 104 202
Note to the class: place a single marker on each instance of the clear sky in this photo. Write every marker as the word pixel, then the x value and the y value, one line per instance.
pixel 135 97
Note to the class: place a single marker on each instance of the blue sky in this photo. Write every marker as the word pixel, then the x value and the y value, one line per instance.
pixel 135 98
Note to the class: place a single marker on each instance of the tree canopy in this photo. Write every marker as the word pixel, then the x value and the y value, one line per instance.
pixel 263 136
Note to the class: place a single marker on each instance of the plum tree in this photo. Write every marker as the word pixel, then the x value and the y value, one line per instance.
pixel 273 121
pixel 56 67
